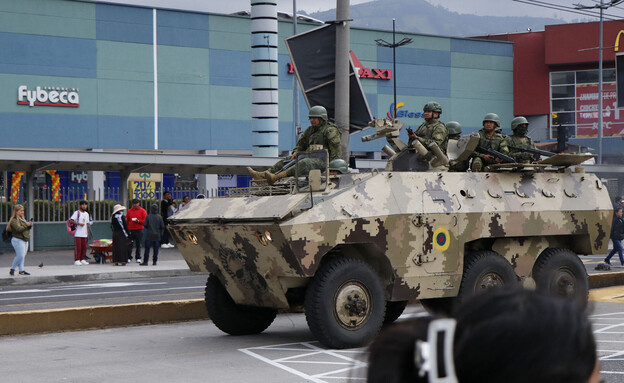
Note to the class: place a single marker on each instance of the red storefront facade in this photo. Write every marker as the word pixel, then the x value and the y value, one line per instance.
pixel 556 84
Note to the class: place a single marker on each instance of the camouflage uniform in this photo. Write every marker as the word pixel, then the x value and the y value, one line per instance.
pixel 433 131
pixel 324 134
pixel 493 142
pixel 517 141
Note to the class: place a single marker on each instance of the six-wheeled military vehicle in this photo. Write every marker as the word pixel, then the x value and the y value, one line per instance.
pixel 354 248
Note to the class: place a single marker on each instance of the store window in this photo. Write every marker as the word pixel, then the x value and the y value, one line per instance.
pixel 574 103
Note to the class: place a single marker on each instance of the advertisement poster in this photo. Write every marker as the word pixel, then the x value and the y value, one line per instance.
pixel 587 111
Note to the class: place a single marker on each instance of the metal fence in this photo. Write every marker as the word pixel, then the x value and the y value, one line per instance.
pixel 58 207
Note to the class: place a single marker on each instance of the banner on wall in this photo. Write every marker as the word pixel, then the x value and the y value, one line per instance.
pixel 587 111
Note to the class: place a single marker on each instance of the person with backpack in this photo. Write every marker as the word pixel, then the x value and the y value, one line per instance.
pixel 154 228
pixel 20 230
pixel 80 218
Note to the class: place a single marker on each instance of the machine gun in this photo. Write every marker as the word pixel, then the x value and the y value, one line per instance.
pixel 535 152
pixel 494 153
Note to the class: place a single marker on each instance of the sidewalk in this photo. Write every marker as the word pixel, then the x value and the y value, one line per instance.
pixel 58 266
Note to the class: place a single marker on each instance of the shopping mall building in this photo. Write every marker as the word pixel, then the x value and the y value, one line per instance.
pixel 101 77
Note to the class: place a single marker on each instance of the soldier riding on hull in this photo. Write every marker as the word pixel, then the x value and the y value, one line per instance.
pixel 454 133
pixel 489 139
pixel 511 144
pixel 431 130
pixel 321 132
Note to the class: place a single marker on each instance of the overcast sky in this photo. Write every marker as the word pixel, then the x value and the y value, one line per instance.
pixel 478 7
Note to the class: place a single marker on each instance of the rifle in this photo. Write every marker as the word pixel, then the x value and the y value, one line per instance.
pixel 535 152
pixel 494 153
pixel 286 166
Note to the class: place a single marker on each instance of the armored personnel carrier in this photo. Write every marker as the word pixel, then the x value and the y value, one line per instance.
pixel 353 249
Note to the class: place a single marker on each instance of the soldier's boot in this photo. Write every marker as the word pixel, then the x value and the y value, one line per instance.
pixel 476 166
pixel 257 176
pixel 272 178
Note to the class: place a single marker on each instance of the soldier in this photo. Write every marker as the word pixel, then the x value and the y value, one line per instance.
pixel 338 166
pixel 489 139
pixel 454 133
pixel 518 139
pixel 431 130
pixel 319 133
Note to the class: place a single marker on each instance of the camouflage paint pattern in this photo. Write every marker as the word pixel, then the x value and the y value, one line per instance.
pixel 414 228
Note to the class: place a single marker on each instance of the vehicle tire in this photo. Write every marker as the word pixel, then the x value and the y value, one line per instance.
pixel 442 306
pixel 394 311
pixel 233 318
pixel 345 304
pixel 561 272
pixel 484 270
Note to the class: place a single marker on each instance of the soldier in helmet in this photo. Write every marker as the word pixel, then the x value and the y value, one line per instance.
pixel 338 166
pixel 431 130
pixel 518 139
pixel 321 132
pixel 489 138
pixel 454 133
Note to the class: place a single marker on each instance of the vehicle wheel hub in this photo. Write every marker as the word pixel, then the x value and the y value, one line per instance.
pixel 489 281
pixel 563 283
pixel 352 305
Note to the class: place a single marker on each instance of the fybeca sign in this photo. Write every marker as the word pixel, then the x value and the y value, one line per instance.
pixel 48 96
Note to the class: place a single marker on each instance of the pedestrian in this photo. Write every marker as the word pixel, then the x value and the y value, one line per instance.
pixel 120 235
pixel 321 132
pixel 135 217
pixel 489 138
pixel 501 335
pixel 81 219
pixel 185 200
pixel 20 230
pixel 164 213
pixel 154 228
pixel 432 130
pixel 617 234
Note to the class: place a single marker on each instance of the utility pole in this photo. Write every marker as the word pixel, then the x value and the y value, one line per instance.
pixel 341 95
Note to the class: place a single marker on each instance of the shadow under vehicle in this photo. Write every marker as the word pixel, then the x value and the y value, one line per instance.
pixel 354 248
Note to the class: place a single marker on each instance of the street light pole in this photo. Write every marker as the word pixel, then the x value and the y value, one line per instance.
pixel 602 6
pixel 393 45
pixel 600 90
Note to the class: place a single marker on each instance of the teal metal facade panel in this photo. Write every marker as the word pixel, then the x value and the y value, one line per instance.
pixel 204 77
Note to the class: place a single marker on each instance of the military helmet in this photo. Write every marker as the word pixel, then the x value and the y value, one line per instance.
pixel 318 111
pixel 453 127
pixel 492 117
pixel 432 106
pixel 339 165
pixel 518 121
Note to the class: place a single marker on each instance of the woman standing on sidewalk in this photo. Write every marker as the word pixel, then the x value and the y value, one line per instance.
pixel 20 229
pixel 617 234
pixel 120 235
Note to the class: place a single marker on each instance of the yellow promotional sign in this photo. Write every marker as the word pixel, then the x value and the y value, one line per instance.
pixel 150 177
pixel 142 189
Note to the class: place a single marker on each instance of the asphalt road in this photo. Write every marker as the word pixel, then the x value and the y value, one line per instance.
pixel 100 293
pixel 199 352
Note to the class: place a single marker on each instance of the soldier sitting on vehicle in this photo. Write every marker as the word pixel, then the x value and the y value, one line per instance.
pixel 338 166
pixel 322 133
pixel 489 139
pixel 512 144
pixel 431 130
pixel 454 133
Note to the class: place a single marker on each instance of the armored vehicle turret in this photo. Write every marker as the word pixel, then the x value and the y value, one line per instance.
pixel 354 248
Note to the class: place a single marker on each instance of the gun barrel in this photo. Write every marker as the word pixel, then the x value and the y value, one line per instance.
pixel 496 154
pixel 534 151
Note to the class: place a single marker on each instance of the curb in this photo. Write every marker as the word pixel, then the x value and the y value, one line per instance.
pixel 597 281
pixel 31 280
pixel 99 317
